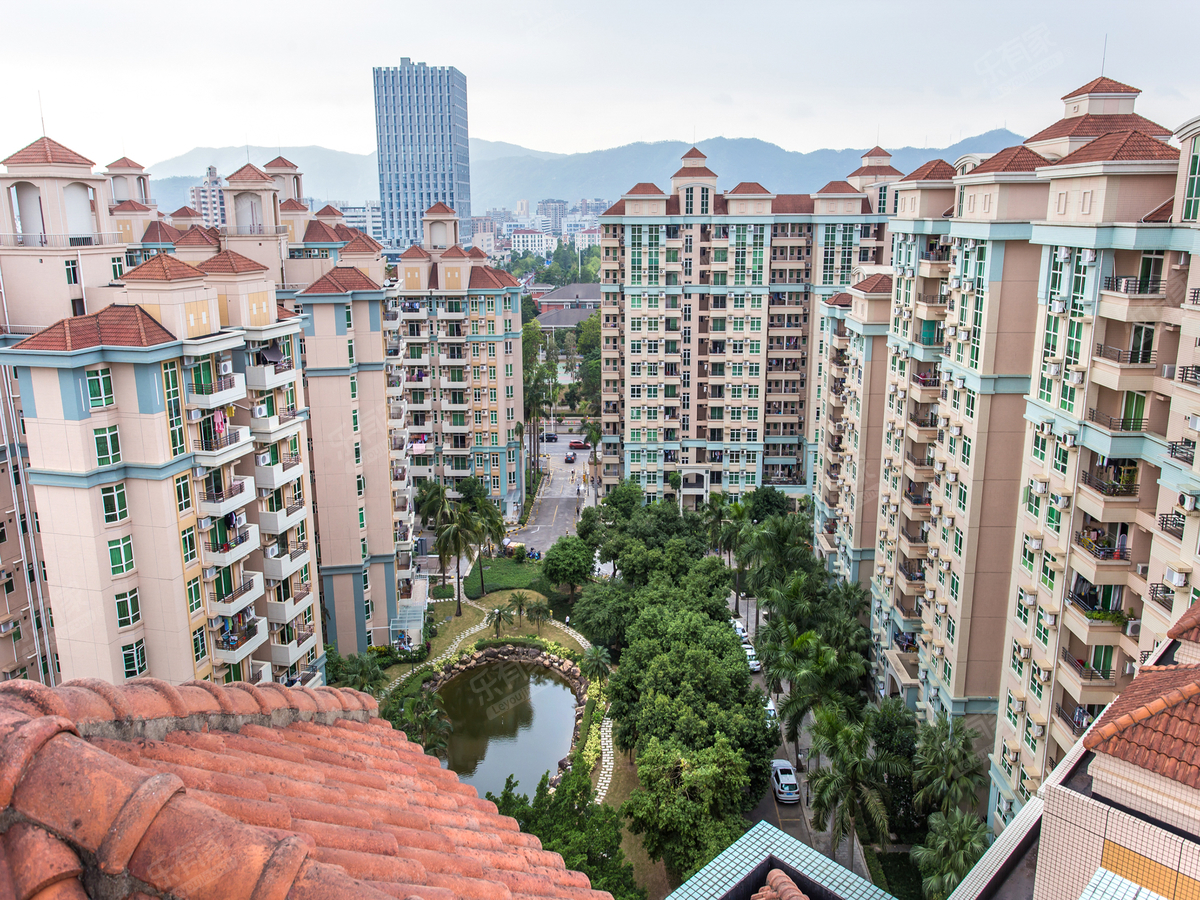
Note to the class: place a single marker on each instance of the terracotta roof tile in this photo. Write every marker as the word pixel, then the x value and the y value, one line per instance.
pixel 934 170
pixel 45 151
pixel 874 170
pixel 113 326
pixel 644 187
pixel 1187 628
pixel 1011 159
pixel 1161 213
pixel 875 284
pixel 124 163
pixel 673 205
pixel 249 172
pixel 416 251
pixel 281 162
pixel 360 243
pixel 433 278
pixel 1094 126
pixel 694 154
pixel 455 252
pixel 320 233
pixel 748 187
pixel 487 278
pixel 159 232
pixel 1155 723
pixel 162 267
pixel 282 312
pixel 439 209
pixel 341 280
pixel 838 187
pixel 292 205
pixel 617 209
pixel 840 299
pixel 792 203
pixel 476 253
pixel 229 263
pixel 186 212
pixel 1102 85
pixel 1121 145
pixel 130 206
pixel 877 151
pixel 695 171
pixel 329 210
pixel 197 236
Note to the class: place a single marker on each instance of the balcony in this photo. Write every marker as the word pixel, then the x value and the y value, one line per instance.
pixel 221 392
pixel 273 477
pixel 238 599
pixel 1099 548
pixel 1126 357
pixel 303 640
pixel 1184 450
pixel 1108 488
pixel 1164 596
pixel 235 547
pixel 1172 524
pixel 1083 672
pixel 222 448
pixel 281 520
pixel 266 428
pixel 235 644
pixel 59 241
pixel 1128 284
pixel 243 230
pixel 1087 620
pixel 269 377
pixel 1076 722
pixel 285 564
pixel 1117 423
pixel 222 503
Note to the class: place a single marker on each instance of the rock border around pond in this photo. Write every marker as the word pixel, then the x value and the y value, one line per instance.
pixel 511 653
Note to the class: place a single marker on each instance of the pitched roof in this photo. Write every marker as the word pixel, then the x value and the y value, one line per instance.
pixel 455 252
pixel 112 326
pixel 485 277
pixel 282 312
pixel 197 236
pixel 874 170
pixel 1011 159
pixel 1094 126
pixel 792 203
pixel 578 290
pixel 1155 723
pixel 1102 85
pixel 124 163
pixel 617 209
pixel 319 233
pixel 695 171
pixel 45 151
pixel 567 317
pixel 159 232
pixel 229 263
pixel 839 187
pixel 292 205
pixel 877 151
pixel 779 887
pixel 416 251
pixel 359 243
pixel 186 212
pixel 1121 145
pixel 1187 628
pixel 694 154
pixel 748 187
pixel 476 253
pixel 162 267
pixel 875 284
pixel 439 209
pixel 644 187
pixel 341 280
pixel 934 170
pixel 1162 212
pixel 130 206
pixel 249 172
pixel 328 210
pixel 839 299
pixel 243 791
pixel 281 162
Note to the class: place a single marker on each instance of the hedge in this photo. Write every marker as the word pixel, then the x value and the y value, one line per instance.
pixel 875 868
pixel 442 592
pixel 530 641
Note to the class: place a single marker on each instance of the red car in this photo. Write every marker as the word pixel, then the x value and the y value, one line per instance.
pixel 580 445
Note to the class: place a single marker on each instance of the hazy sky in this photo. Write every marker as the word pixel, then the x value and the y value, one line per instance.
pixel 151 80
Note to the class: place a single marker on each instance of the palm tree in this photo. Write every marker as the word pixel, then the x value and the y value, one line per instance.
pixel 362 672
pixel 955 842
pixel 818 675
pixel 847 791
pixel 734 533
pixel 499 615
pixel 596 663
pixel 593 434
pixel 946 769
pixel 519 602
pixel 538 613
pixel 713 515
pixel 434 507
pixel 491 528
pixel 454 540
pixel 423 719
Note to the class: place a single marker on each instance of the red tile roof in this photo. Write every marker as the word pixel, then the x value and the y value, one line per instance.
pixel 329 210
pixel 249 172
pixel 1121 145
pixel 124 163
pixel 1155 723
pixel 839 187
pixel 159 232
pixel 476 253
pixel 1161 213
pixel 792 203
pixel 874 170
pixel 130 206
pixel 1011 159
pixel 416 251
pixel 877 151
pixel 341 280
pixel 359 243
pixel 1094 126
pixel 229 263
pixel 197 236
pixel 282 312
pixel 748 187
pixel 673 205
pixel 439 209
pixel 186 212
pixel 840 299
pixel 292 205
pixel 487 278
pixel 644 187
pixel 280 162
pixel 202 791
pixel 433 278
pixel 1102 85
pixel 934 170
pixel 875 284
pixel 694 154
pixel 617 209
pixel 113 326
pixel 162 267
pixel 45 151
pixel 455 252
pixel 320 233
pixel 696 172
pixel 1187 628
pixel 779 887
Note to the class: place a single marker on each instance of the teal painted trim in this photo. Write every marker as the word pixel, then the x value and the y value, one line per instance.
pixel 91 356
pixel 374 313
pixel 997 788
pixel 339 319
pixel 344 371
pixel 112 474
pixel 149 387
pixel 321 660
pixel 360 616
pixel 992 231
pixel 351 296
pixel 988 384
pixel 25 385
pixel 349 569
pixel 389 582
pixel 307 326
pixel 1118 237
pixel 919 226
pixel 995 261
pixel 330 606
pixel 72 385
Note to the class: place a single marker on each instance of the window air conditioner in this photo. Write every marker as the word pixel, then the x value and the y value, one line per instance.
pixel 1193 423
pixel 1130 668
pixel 1179 579
pixel 1089 257
pixel 1064 254
pixel 1188 502
pixel 1060 501
pixel 1025 651
pixel 1168 371
pixel 945 565
pixel 959 382
pixel 1039 487
pixel 1057 307
pixel 941 608
pixel 240 519
pixel 262 460
pixel 1032 542
pixel 259 411
pixel 1053 369
pixel 952 476
pixel 1046 427
pixel 199 472
pixel 948 521
pixel 189 361
pixel 1133 628
pixel 939 651
pixel 1027 598
pixel 932 552
pixel 1005 803
pixel 1018 706
pixel 1067 439
pixel 930 593
pixel 956 430
pixel 210 573
pixel 1038 730
pixel 226 368
pixel 194 415
pixel 205 523
pixel 1075 376
pixel 944 240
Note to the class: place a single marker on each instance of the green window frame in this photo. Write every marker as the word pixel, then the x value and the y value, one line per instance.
pixel 120 555
pixel 134 658
pixel 1191 199
pixel 173 405
pixel 194 596
pixel 199 644
pixel 108 445
pixel 112 498
pixel 187 540
pixel 100 388
pixel 129 608
pixel 1041 630
pixel 1015 662
pixel 183 493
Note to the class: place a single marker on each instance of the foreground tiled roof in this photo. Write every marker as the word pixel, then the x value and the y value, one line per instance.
pixel 113 326
pixel 249 172
pixel 197 236
pixel 476 253
pixel 1094 126
pixel 319 233
pixel 644 187
pixel 1102 85
pixel 162 267
pixel 159 232
pixel 1011 159
pixel 186 212
pixel 779 887
pixel 1160 213
pixel 124 163
pixel 934 170
pixel 229 263
pixel 875 284
pixel 243 791
pixel 130 206
pixel 1121 145
pixel 1187 628
pixel 695 172
pixel 694 154
pixel 874 170
pixel 1155 723
pixel 839 187
pixel 341 280
pixel 439 209
pixel 292 205
pixel 45 151
pixel 748 187
pixel 416 251
pixel 792 203
pixel 487 278
pixel 281 162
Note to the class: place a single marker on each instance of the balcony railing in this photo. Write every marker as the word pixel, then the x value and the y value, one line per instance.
pixel 1085 672
pixel 914 538
pixel 1075 723
pixel 1189 374
pixel 218 443
pixel 1117 423
pixel 1163 595
pixel 927 379
pixel 215 546
pixel 1084 602
pixel 929 421
pixel 1108 488
pixel 1098 550
pixel 289 462
pixel 297 549
pixel 235 637
pixel 1172 523
pixel 242 588
pixel 254 229
pixel 917 499
pixel 925 462
pixel 1128 284
pixel 1184 450
pixel 206 389
pixel 936 256
pixel 914 574
pixel 60 240
pixel 1126 357
pixel 233 490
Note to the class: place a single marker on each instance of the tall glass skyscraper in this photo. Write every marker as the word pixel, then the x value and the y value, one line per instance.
pixel 424 156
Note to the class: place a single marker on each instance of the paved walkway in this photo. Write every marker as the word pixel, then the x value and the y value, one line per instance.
pixel 607 758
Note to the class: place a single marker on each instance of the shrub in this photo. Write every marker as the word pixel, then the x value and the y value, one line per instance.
pixel 442 592
pixel 878 878
pixel 528 641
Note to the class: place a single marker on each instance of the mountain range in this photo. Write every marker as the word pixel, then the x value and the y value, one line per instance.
pixel 503 173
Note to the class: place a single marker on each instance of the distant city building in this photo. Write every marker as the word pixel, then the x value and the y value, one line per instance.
pixel 572 225
pixel 485 241
pixel 556 210
pixel 593 207
pixel 424 157
pixel 522 207
pixel 572 296
pixel 483 224
pixel 366 217
pixel 531 240
pixel 209 199
pixel 588 237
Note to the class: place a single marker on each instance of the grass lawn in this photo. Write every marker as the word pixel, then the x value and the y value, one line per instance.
pixel 523 629
pixel 650 875
pixel 449 631
pixel 501 573
pixel 904 878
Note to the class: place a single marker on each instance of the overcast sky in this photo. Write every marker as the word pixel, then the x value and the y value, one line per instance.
pixel 152 80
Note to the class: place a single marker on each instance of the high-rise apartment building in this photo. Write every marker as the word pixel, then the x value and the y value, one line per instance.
pixel 555 211
pixel 707 324
pixel 424 154
pixel 365 217
pixel 208 199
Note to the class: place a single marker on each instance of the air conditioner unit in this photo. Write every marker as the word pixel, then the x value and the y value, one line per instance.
pixel 1089 257
pixel 892 388
pixel 264 493
pixel 952 476
pixel 1026 598
pixel 205 523
pixel 930 593
pixel 888 580
pixel 189 361
pixel 1052 619
pixel 939 651
pixel 970 245
pixel 951 331
pixel 1075 376
pixel 933 552
pixel 933 693
pixel 199 472
pixel 959 382
pixel 1179 579
pixel 941 608
pixel 226 368
pixel 259 411
pixel 1044 675
pixel 955 283
pixel 1018 706
pixel 1032 542
pixel 895 508
pixel 944 240
pixel 1039 487
pixel 906 314
pixel 1024 652
pixel 945 565
pixel 948 521
pixel 939 465
pixel 1053 369
pixel 1142 569
pixel 210 573
pixel 943 421
pixel 1046 427
pixel 1188 502
pixel 1005 802
pixel 879 570
pixel 271 582
pixel 1060 501
pixel 935 510
pixel 964 333
pixel 1067 439
pixel 902 353
pixel 1058 307
pixel 1130 668
pixel 1038 730
pixel 885 499
pixel 1168 371
pixel 1133 628
pixel 194 415
pixel 240 519
pixel 956 430
pixel 271 551
pixel 1193 422
pixel 262 459
pixel 1064 254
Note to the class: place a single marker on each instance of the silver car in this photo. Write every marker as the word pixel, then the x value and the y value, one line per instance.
pixel 752 659
pixel 784 782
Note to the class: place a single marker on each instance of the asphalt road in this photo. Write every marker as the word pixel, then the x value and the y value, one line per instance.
pixel 554 511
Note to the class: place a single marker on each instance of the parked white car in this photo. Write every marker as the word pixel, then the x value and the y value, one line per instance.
pixel 752 659
pixel 784 782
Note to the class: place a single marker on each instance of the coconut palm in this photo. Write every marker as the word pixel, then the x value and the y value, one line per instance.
pixel 593 434
pixel 499 615
pixel 434 507
pixel 847 790
pixel 454 540
pixel 955 842
pixel 735 534
pixel 596 663
pixel 363 673
pixel 519 602
pixel 538 613
pixel 713 515
pixel 946 769
pixel 491 528
pixel 424 720
pixel 818 676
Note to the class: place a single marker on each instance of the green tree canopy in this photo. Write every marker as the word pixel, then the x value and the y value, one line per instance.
pixel 569 562
pixel 955 842
pixel 947 771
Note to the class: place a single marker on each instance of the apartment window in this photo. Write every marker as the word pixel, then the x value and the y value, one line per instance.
pixel 354 420
pixel 100 389
pixel 118 267
pixel 360 484
pixel 357 453
pixel 1041 630
pixel 704 201
pixel 1027 559
pixel 1023 613
pixel 113 500
pixel 1014 661
pixel 120 555
pixel 174 408
pixel 1048 573
pixel 1030 740
pixel 72 271
pixel 951 628
pixel 129 610
pixel 108 446
pixel 1061 457
pixel 1053 519
pixel 1039 447
pixel 199 645
pixel 193 596
pixel 188 540
pixel 183 493
pixel 134 656
pixel 688 200
pixel 1191 201
pixel 362 518
pixel 966 451
pixel 350 350
pixel 970 405
pixel 1010 710
pixel 353 387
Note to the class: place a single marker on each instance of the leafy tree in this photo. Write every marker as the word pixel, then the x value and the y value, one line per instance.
pixel 435 508
pixel 596 663
pixel 946 769
pixel 765 501
pixel 362 672
pixel 587 334
pixel 569 561
pixel 818 676
pixel 955 842
pixel 592 433
pixel 335 665
pixel 490 527
pixel 713 515
pixel 528 310
pixel 519 602
pixel 591 528
pixel 499 615
pixel 624 498
pixel 423 718
pixel 531 343
pixel 454 540
pixel 570 353
pixel 894 729
pixel 589 380
pixel 538 613
pixel 471 491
